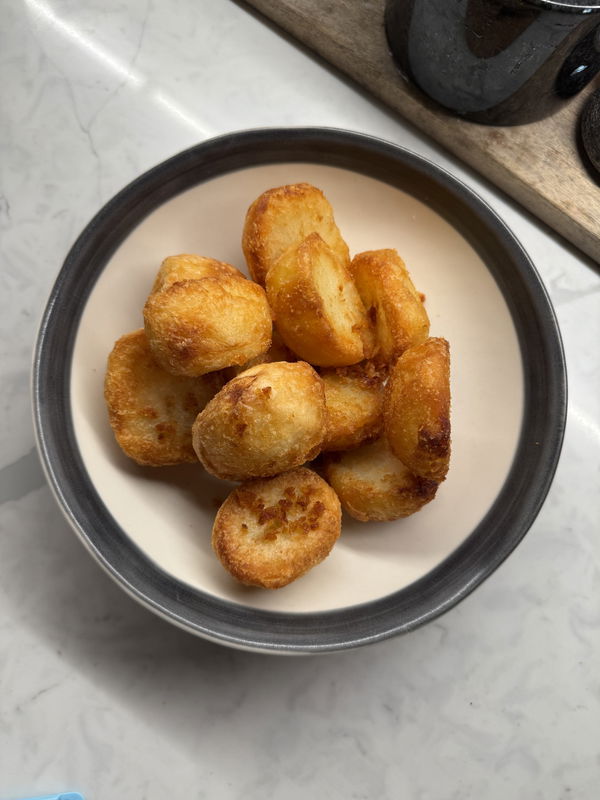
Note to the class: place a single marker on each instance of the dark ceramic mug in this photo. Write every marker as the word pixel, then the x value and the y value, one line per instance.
pixel 498 62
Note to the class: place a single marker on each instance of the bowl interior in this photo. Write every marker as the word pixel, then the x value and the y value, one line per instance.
pixel 168 513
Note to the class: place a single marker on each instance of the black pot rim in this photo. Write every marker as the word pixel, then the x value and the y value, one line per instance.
pixel 569 6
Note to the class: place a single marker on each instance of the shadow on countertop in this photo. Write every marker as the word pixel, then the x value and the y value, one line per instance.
pixel 175 682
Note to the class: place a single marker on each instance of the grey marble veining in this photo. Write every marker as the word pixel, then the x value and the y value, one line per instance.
pixel 499 698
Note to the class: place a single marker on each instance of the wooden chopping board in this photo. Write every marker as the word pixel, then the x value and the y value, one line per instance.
pixel 538 164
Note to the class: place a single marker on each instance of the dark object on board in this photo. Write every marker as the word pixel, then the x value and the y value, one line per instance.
pixel 496 62
pixel 590 129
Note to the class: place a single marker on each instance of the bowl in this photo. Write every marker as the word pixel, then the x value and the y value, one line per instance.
pixel 150 528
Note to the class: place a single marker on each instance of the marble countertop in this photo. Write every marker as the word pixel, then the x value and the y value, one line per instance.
pixel 498 699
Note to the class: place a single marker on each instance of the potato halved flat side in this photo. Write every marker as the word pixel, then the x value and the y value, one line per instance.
pixel 393 305
pixel 417 408
pixel 270 531
pixel 283 217
pixel 151 411
pixel 374 486
pixel 316 306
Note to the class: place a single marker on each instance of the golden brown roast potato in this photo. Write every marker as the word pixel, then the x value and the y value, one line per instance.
pixel 187 267
pixel 417 408
pixel 283 217
pixel 151 411
pixel 269 419
pixel 393 304
pixel 317 309
pixel 270 531
pixel 199 326
pixel 373 485
pixel 354 401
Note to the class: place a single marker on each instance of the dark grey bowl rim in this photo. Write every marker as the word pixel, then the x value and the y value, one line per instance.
pixel 494 538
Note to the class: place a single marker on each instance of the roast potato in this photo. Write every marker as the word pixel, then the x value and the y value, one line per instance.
pixel 270 531
pixel 373 485
pixel 202 325
pixel 393 304
pixel 417 408
pixel 268 419
pixel 354 402
pixel 318 311
pixel 151 411
pixel 283 217
pixel 187 266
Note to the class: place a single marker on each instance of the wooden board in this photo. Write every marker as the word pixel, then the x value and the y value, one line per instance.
pixel 536 164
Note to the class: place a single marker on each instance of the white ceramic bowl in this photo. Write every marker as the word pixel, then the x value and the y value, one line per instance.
pixel 150 528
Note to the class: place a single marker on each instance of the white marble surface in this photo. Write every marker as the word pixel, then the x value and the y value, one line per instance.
pixel 498 699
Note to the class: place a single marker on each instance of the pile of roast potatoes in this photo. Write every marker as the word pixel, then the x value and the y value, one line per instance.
pixel 314 384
